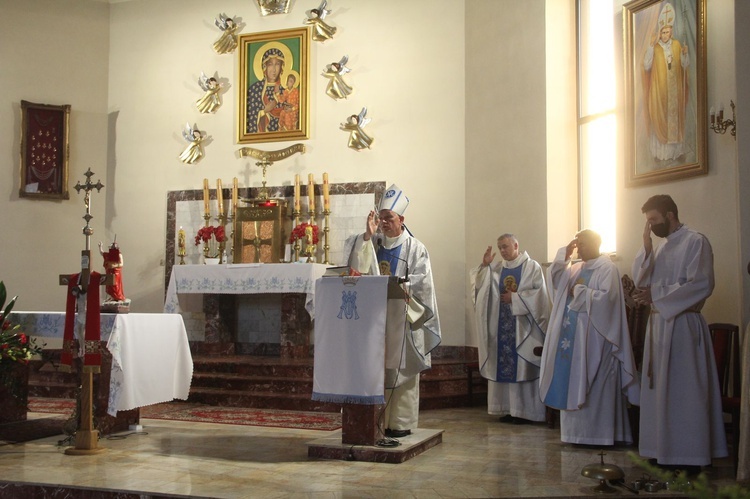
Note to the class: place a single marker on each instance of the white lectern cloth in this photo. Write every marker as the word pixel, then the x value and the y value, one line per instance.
pixel 151 361
pixel 350 318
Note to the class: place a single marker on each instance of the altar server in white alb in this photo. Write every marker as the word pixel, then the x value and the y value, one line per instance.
pixel 681 420
pixel 387 248
pixel 588 370
pixel 511 308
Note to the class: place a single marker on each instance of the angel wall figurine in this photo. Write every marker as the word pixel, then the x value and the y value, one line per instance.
pixel 337 87
pixel 358 139
pixel 194 151
pixel 227 42
pixel 211 101
pixel 321 31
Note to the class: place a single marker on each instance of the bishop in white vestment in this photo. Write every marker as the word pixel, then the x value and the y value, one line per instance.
pixel 511 309
pixel 393 251
pixel 681 418
pixel 588 370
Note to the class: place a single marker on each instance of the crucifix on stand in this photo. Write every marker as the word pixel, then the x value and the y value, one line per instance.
pixel 82 322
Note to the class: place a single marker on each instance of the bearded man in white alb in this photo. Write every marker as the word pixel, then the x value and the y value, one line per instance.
pixel 681 422
pixel 511 308
pixel 387 248
pixel 588 370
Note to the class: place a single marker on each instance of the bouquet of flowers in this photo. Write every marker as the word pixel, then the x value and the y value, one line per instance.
pixel 300 233
pixel 205 233
pixel 209 235
pixel 16 348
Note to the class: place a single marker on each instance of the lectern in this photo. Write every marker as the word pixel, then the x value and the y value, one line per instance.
pixel 358 329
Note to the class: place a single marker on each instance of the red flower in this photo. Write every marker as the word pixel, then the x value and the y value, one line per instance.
pixel 205 233
pixel 299 232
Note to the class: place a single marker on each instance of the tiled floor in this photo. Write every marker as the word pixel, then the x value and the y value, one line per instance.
pixel 479 457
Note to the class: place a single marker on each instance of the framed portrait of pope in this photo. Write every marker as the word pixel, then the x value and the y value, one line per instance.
pixel 274 86
pixel 665 90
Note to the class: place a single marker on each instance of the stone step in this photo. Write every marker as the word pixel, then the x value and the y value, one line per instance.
pixel 259 400
pixel 272 382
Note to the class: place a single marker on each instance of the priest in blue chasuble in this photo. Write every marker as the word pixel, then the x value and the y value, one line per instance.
pixel 588 370
pixel 511 308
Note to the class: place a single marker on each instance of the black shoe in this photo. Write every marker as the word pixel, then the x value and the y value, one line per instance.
pixel 396 433
pixel 507 419
pixel 521 421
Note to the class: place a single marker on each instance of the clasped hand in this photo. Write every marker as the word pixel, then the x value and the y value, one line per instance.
pixel 642 296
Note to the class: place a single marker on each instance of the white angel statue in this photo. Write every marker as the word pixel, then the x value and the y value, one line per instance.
pixel 321 31
pixel 358 139
pixel 227 42
pixel 211 101
pixel 337 87
pixel 194 151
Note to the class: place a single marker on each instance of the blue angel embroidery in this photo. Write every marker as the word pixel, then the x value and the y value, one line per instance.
pixel 348 305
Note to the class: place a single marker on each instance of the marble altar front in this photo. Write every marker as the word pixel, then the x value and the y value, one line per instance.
pixel 220 290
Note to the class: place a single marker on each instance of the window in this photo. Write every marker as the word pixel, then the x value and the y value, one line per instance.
pixel 597 127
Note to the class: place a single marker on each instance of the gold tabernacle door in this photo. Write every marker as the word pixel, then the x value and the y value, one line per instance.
pixel 259 231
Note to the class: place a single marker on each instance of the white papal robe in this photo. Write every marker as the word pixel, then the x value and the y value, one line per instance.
pixel 512 370
pixel 588 370
pixel 422 333
pixel 681 419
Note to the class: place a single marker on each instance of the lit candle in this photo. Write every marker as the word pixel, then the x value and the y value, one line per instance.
pixel 219 197
pixel 235 196
pixel 296 192
pixel 206 208
pixel 326 198
pixel 311 194
pixel 721 113
pixel 181 240
pixel 713 116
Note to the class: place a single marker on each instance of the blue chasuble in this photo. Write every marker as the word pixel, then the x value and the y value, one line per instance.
pixel 507 358
pixel 390 257
pixel 557 395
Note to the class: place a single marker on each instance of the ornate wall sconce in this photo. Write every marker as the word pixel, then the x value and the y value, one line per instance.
pixel 720 125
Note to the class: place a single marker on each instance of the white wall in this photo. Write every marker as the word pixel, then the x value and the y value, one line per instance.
pixel 51 52
pixel 506 161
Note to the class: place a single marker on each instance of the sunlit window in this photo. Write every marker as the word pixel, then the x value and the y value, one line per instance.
pixel 597 126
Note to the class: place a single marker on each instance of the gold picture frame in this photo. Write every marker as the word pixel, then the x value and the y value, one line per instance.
pixel 45 151
pixel 665 87
pixel 280 56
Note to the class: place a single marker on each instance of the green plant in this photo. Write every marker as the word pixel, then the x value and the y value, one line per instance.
pixel 16 348
pixel 698 486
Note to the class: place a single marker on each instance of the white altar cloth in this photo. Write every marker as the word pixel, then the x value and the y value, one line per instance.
pixel 151 359
pixel 255 278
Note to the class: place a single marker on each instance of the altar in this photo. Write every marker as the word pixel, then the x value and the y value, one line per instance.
pixel 220 290
pixel 150 357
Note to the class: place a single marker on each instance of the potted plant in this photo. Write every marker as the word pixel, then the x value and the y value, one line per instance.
pixel 16 349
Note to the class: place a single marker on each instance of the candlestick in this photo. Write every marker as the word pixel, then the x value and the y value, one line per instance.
pixel 219 197
pixel 206 208
pixel 235 196
pixel 181 245
pixel 296 193
pixel 311 194
pixel 326 197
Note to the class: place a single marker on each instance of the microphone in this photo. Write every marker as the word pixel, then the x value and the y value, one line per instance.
pixel 401 280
